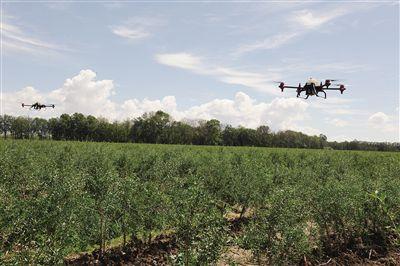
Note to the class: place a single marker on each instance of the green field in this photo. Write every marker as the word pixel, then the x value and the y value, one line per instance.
pixel 61 198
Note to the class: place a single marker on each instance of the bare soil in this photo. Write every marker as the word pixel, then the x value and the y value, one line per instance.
pixel 135 253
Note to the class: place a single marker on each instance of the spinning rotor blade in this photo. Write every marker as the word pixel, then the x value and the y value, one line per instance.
pixel 342 84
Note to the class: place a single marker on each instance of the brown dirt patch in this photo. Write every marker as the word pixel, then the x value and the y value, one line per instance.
pixel 137 253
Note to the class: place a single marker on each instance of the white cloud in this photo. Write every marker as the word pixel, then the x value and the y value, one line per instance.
pixel 12 101
pixel 299 22
pixel 310 20
pixel 135 108
pixel 280 113
pixel 182 60
pixel 17 40
pixel 382 122
pixel 337 106
pixel 271 42
pixel 136 28
pixel 313 65
pixel 378 118
pixel 130 33
pixel 187 61
pixel 82 93
pixel 337 122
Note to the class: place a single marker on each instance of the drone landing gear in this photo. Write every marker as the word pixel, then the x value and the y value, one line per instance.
pixel 321 96
pixel 303 97
pixel 298 96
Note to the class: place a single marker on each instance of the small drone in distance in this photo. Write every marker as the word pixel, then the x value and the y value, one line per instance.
pixel 313 88
pixel 38 106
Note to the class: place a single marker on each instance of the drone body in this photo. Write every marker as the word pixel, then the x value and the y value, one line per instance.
pixel 38 106
pixel 312 88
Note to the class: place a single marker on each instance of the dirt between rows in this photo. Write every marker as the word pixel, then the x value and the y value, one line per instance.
pixel 163 247
pixel 134 253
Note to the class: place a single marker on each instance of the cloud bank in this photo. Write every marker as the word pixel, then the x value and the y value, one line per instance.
pixel 84 93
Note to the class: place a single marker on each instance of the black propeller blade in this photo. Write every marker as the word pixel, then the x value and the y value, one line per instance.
pixel 338 84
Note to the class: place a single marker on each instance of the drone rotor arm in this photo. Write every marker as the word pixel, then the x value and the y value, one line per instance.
pixel 290 87
pixel 335 89
pixel 342 88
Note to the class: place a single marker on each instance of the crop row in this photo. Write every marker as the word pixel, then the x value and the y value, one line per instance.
pixel 58 198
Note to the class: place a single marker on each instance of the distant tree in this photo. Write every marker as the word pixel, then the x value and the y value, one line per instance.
pixel 65 127
pixel 159 127
pixel 120 131
pixel 103 132
pixel 246 136
pixel 230 136
pixel 55 128
pixel 20 128
pixel 353 145
pixel 149 127
pixel 40 127
pixel 158 122
pixel 91 123
pixel 179 133
pixel 5 124
pixel 1 125
pixel 78 127
pixel 209 132
pixel 263 136
pixel 323 140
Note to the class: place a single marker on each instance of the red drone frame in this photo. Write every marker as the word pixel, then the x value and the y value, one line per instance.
pixel 313 88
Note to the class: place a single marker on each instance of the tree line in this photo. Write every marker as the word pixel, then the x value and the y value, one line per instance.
pixel 159 127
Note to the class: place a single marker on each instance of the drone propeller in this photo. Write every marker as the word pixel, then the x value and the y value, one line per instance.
pixel 340 84
pixel 333 80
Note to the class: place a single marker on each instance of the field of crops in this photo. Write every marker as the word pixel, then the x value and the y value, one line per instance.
pixel 288 205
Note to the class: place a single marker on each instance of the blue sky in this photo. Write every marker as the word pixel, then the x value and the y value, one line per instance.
pixel 207 60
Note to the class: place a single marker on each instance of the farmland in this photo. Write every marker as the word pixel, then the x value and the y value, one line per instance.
pixel 290 205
